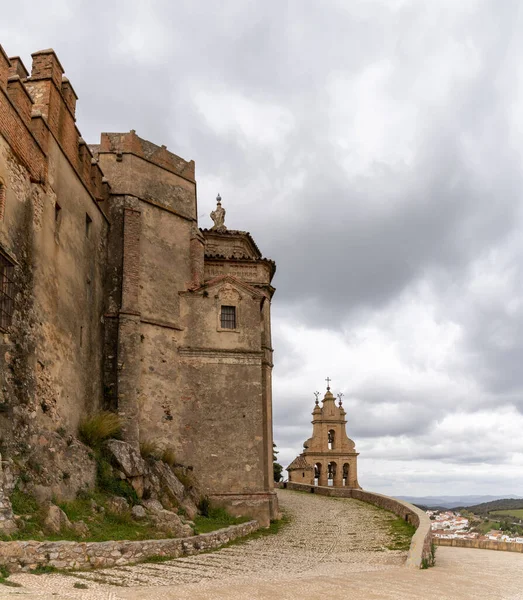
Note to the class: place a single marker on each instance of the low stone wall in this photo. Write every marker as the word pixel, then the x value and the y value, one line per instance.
pixel 420 551
pixel 24 556
pixel 480 544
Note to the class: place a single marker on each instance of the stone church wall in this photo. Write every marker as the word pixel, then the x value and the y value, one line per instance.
pixel 114 306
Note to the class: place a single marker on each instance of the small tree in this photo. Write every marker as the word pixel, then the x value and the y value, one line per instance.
pixel 277 468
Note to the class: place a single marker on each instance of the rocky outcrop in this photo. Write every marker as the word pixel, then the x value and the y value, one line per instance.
pixel 58 466
pixel 167 521
pixel 117 504
pixel 126 458
pixel 56 520
pixel 7 520
pixel 80 528
pixel 152 479
pixel 164 485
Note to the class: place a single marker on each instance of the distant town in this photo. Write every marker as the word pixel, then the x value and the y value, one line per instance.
pixel 450 524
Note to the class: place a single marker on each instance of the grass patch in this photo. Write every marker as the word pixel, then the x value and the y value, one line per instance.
pixel 156 558
pixel 486 526
pixel 274 528
pixel 401 533
pixel 4 575
pixel 103 526
pixel 33 514
pixel 80 586
pixel 44 570
pixel 23 503
pixel 517 513
pixel 217 518
pixel 96 428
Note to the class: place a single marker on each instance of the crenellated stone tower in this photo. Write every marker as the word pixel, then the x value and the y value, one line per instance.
pixel 329 456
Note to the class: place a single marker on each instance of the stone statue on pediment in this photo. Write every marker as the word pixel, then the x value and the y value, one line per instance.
pixel 218 216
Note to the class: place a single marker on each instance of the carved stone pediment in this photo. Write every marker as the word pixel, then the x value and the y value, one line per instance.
pixel 228 292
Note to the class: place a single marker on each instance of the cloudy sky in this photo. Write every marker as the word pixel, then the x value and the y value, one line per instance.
pixel 374 149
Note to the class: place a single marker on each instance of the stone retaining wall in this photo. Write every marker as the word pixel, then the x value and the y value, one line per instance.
pixel 24 556
pixel 420 551
pixel 480 544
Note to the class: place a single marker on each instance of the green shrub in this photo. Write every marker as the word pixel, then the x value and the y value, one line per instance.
pixel 150 449
pixel 96 428
pixel 204 506
pixel 169 457
pixel 107 482
pixel 43 570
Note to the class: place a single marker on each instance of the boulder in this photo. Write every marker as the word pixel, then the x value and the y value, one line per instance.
pixel 127 458
pixel 138 512
pixel 117 504
pixel 56 520
pixel 169 485
pixel 170 523
pixel 152 505
pixel 190 508
pixel 80 528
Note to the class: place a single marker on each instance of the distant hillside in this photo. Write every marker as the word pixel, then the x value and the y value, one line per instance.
pixel 503 504
pixel 439 502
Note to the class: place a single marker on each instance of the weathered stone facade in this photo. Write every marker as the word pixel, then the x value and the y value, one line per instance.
pixel 329 456
pixel 114 298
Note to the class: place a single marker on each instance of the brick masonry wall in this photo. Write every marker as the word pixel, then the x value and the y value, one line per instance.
pixel 20 139
pixel 420 546
pixel 24 556
pixel 480 544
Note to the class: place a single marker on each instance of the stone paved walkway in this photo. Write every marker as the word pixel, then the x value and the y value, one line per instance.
pixel 332 549
pixel 324 534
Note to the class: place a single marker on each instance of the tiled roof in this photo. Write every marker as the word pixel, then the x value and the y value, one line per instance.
pixel 300 462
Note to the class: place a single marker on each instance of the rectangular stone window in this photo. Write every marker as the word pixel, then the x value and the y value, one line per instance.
pixel 7 292
pixel 88 222
pixel 228 317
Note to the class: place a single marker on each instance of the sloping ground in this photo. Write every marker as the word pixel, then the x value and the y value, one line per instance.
pixel 333 549
pixel 325 536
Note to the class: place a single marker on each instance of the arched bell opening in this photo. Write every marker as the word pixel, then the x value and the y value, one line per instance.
pixel 331 473
pixel 346 474
pixel 317 473
pixel 330 439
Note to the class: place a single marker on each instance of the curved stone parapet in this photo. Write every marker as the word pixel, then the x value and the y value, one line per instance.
pixel 26 555
pixel 480 544
pixel 420 551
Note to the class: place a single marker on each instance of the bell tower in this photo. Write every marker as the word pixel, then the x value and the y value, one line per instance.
pixel 329 457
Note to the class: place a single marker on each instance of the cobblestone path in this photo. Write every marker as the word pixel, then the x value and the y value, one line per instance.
pixel 324 535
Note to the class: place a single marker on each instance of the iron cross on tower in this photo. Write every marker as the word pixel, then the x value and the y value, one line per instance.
pixel 328 380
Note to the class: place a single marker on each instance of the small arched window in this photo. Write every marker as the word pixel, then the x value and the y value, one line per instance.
pixel 330 439
pixel 2 199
